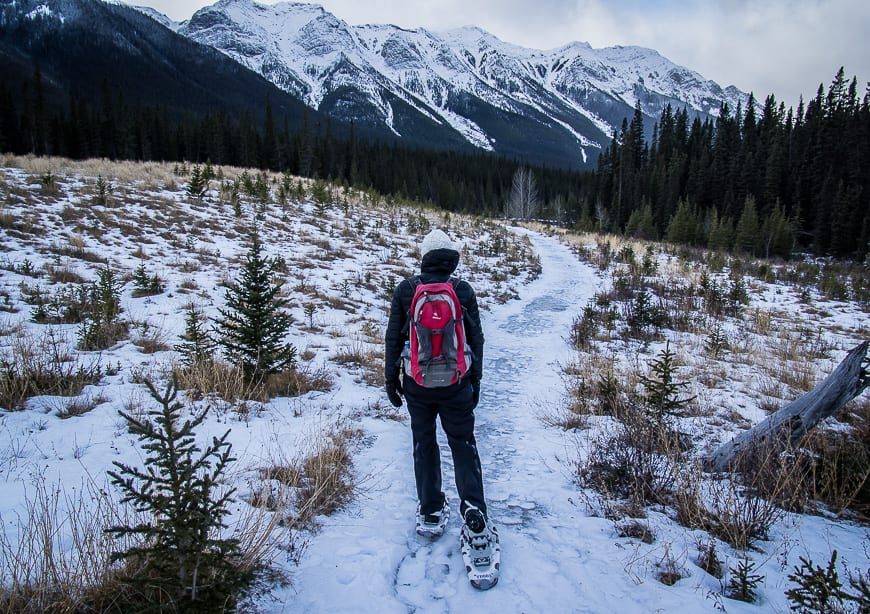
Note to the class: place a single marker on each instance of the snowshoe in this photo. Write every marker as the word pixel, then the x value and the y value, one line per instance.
pixel 481 552
pixel 432 525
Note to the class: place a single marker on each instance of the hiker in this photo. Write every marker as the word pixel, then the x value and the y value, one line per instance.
pixel 454 403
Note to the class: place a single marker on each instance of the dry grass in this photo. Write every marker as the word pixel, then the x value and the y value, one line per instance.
pixel 35 365
pixel 81 405
pixel 299 381
pixel 565 417
pixel 215 377
pixel 57 555
pixel 596 385
pixel 65 274
pixel 318 482
pixel 227 382
pixel 153 173
pixel 368 361
pixel 151 339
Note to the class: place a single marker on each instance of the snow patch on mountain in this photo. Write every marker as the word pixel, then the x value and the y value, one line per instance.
pixel 43 10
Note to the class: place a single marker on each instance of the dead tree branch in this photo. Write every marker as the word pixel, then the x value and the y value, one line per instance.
pixel 790 423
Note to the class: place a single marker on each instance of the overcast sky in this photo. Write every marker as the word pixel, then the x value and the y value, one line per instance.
pixel 783 47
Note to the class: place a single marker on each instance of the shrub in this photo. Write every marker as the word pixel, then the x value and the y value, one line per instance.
pixel 629 463
pixel 726 508
pixel 56 557
pixel 837 465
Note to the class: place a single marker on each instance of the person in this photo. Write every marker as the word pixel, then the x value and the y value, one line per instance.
pixel 453 404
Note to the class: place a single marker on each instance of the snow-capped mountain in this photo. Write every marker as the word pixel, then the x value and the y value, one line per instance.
pixel 560 105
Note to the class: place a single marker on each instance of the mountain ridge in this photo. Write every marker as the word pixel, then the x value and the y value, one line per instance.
pixel 566 101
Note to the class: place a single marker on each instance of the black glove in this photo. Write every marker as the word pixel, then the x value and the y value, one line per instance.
pixel 393 386
pixel 475 393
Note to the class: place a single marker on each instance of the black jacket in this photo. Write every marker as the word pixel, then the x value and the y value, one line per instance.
pixel 436 266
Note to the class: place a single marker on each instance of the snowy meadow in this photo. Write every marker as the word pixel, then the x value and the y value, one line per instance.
pixel 611 368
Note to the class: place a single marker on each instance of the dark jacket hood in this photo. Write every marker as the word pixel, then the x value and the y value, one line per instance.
pixel 440 262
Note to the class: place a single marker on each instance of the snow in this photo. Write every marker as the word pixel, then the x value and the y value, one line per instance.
pixel 43 10
pixel 307 42
pixel 559 553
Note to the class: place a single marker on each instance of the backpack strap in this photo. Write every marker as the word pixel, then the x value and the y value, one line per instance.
pixel 414 281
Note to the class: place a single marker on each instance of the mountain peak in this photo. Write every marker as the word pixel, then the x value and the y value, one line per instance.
pixel 158 17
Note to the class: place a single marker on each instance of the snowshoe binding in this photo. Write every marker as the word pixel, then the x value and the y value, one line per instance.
pixel 432 525
pixel 480 548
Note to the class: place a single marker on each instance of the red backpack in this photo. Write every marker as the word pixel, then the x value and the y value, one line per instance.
pixel 437 354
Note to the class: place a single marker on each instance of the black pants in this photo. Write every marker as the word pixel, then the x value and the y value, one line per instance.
pixel 453 404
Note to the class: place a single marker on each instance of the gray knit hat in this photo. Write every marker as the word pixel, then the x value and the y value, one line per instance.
pixel 437 239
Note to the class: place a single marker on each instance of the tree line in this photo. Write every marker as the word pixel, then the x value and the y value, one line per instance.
pixel 759 179
pixel 117 128
pixel 766 183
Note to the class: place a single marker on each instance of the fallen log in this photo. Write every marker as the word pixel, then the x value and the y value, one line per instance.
pixel 790 423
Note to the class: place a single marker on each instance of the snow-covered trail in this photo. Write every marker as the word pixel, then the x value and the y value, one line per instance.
pixel 368 558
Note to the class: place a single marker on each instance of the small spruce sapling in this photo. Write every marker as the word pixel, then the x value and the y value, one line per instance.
pixel 661 391
pixel 197 346
pixel 104 189
pixel 717 343
pixel 818 590
pixel 743 583
pixel 310 309
pixel 708 559
pixel 143 285
pixel 179 553
pixel 198 183
pixel 103 326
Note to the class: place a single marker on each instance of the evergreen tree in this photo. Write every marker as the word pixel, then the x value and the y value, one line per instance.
pixel 778 235
pixel 721 234
pixel 179 555
pixel 198 183
pixel 662 392
pixel 747 234
pixel 641 224
pixel 818 590
pixel 103 325
pixel 145 285
pixel 197 347
pixel 254 324
pixel 684 226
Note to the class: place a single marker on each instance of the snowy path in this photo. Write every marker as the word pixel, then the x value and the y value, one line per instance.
pixel 554 558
